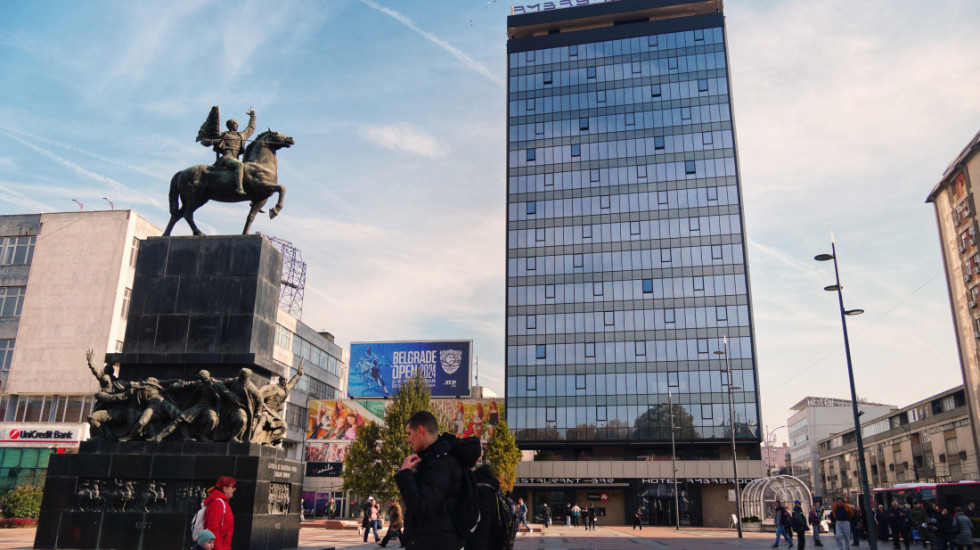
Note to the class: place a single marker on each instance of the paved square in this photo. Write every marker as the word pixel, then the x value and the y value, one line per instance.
pixel 566 538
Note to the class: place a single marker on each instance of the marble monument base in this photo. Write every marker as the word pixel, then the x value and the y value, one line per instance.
pixel 142 496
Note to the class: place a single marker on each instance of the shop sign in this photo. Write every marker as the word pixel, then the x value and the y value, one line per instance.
pixel 569 480
pixel 602 497
pixel 28 433
pixel 324 469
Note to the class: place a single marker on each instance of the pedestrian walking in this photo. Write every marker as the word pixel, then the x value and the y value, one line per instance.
pixel 568 515
pixel 546 512
pixel 842 513
pixel 814 518
pixel 799 525
pixel 371 514
pixel 205 541
pixel 522 516
pixel 919 516
pixel 943 530
pixel 638 518
pixel 590 517
pixel 430 482
pixel 900 525
pixel 781 518
pixel 218 517
pixel 963 529
pixel 576 515
pixel 394 524
pixel 857 524
pixel 881 523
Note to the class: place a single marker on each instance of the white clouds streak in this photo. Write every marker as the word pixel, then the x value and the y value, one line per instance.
pixel 462 57
pixel 404 137
pixel 783 258
pixel 74 149
pixel 13 196
pixel 156 29
pixel 130 194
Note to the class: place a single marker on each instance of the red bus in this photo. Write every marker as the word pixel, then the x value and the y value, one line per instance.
pixel 947 495
pixel 905 493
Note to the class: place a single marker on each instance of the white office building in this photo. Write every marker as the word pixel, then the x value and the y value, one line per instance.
pixel 816 418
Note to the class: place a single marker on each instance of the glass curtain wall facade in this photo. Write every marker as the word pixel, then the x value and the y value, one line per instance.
pixel 626 262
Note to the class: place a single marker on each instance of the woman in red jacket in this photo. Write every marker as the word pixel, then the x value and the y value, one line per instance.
pixel 218 517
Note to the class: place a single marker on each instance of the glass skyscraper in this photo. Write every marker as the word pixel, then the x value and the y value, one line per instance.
pixel 626 264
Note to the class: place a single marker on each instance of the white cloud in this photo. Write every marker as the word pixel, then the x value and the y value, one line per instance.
pixel 455 52
pixel 404 137
pixel 120 191
pixel 156 28
pixel 12 193
pixel 74 149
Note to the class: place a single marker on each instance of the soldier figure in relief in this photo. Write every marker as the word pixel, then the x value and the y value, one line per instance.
pixel 269 426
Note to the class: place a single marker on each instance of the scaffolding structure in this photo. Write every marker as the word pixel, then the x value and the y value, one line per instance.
pixel 293 281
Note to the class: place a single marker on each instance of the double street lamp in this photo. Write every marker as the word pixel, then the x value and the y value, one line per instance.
pixel 731 421
pixel 844 314
pixel 769 443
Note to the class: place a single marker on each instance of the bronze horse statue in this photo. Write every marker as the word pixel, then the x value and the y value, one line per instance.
pixel 192 187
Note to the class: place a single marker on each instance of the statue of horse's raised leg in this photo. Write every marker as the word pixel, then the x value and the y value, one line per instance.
pixel 255 209
pixel 282 193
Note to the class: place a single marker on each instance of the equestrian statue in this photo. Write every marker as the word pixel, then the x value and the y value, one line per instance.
pixel 252 179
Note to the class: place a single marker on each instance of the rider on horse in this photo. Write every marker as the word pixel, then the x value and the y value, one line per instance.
pixel 230 145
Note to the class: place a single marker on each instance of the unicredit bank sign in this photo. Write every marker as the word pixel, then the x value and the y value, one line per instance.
pixel 19 434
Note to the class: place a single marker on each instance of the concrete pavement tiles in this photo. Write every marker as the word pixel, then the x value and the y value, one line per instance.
pixel 565 538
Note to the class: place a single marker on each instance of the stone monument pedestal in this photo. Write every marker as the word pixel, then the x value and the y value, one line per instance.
pixel 142 496
pixel 198 303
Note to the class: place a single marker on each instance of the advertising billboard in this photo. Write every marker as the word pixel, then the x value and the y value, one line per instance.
pixel 337 420
pixel 330 429
pixel 327 451
pixel 469 417
pixel 378 369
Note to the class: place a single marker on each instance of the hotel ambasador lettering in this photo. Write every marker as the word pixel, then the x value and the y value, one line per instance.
pixel 613 481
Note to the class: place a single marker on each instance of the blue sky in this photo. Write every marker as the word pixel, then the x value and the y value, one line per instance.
pixel 846 115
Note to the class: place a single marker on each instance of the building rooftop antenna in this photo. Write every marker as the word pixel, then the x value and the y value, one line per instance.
pixel 293 282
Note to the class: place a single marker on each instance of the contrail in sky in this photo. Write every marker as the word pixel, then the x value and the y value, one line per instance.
pixel 467 60
pixel 132 195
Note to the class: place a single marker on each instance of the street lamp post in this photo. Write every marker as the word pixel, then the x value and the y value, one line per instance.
pixel 731 415
pixel 673 464
pixel 844 313
pixel 769 448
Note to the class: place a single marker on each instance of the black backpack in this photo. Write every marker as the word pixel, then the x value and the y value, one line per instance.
pixel 786 520
pixel 466 514
pixel 799 521
pixel 498 523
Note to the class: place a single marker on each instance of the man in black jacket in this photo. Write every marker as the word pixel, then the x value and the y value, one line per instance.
pixel 433 488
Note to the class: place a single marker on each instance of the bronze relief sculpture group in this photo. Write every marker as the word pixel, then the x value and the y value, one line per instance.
pixel 203 409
